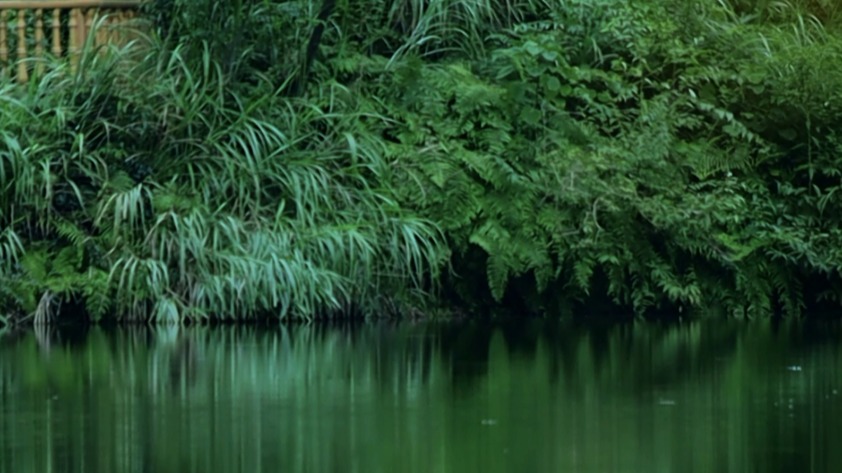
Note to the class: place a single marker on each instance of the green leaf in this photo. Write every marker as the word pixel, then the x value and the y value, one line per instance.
pixel 552 84
pixel 498 276
pixel 788 134
pixel 533 48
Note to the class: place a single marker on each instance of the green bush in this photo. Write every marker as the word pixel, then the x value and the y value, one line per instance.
pixel 666 156
pixel 314 157
pixel 147 187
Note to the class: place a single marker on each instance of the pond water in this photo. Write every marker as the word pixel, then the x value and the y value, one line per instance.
pixel 526 396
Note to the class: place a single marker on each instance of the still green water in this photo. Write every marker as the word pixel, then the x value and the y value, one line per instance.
pixel 467 397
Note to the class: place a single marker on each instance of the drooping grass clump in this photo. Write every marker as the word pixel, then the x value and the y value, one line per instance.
pixel 143 186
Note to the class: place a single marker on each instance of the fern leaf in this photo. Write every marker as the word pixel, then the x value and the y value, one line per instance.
pixel 498 276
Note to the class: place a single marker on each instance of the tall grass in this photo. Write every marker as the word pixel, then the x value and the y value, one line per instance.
pixel 145 186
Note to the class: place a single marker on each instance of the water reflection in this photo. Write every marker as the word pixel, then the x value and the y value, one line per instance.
pixel 522 397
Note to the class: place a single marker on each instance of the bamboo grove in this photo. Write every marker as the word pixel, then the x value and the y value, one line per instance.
pixel 257 159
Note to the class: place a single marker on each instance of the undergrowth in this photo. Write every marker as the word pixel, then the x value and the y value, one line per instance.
pixel 324 158
pixel 146 189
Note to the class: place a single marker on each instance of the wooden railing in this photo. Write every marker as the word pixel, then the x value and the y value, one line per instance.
pixel 33 29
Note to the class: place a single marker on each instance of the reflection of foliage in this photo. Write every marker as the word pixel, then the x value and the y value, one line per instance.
pixel 220 396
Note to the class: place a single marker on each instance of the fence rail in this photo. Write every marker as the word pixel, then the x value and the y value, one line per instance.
pixel 61 28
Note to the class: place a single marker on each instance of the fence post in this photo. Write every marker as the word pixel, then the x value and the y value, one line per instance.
pixel 39 42
pixel 4 43
pixel 57 32
pixel 72 40
pixel 23 74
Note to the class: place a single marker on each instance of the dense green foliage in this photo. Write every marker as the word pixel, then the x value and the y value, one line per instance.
pixel 143 185
pixel 304 157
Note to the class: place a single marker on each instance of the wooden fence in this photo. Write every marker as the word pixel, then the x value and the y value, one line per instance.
pixel 33 29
